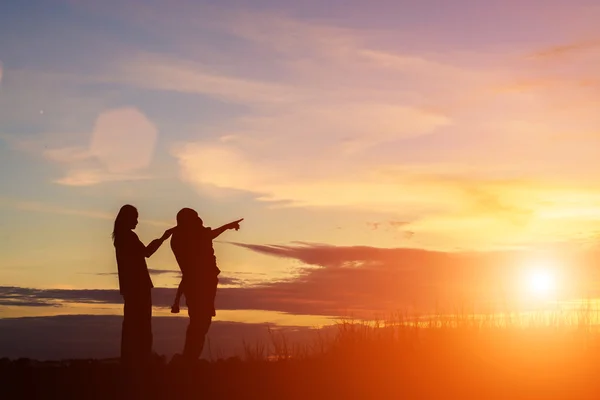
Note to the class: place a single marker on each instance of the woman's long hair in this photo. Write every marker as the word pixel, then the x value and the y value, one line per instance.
pixel 126 214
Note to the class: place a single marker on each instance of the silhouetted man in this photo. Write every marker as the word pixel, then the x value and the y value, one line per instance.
pixel 193 248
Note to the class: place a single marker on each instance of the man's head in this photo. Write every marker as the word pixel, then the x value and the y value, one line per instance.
pixel 188 218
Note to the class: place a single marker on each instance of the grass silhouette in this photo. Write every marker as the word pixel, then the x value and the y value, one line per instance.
pixel 538 355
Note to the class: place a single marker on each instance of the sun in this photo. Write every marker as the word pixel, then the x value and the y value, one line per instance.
pixel 541 282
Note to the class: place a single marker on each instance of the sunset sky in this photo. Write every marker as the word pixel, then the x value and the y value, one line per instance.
pixel 384 155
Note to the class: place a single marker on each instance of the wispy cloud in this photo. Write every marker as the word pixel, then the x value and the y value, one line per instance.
pixel 223 280
pixel 68 155
pixel 561 51
pixel 42 207
pixel 13 296
pixel 89 177
pixel 437 200
pixel 37 206
pixel 398 229
pixel 333 114
pixel 152 271
pixel 358 100
pixel 155 71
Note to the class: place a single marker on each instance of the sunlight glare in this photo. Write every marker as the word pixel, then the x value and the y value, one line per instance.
pixel 541 282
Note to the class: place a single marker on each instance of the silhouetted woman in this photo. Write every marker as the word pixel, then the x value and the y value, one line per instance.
pixel 135 285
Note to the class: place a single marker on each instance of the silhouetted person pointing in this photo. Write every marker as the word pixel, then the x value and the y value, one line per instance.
pixel 193 248
pixel 135 285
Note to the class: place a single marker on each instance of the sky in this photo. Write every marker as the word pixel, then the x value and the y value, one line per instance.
pixel 384 155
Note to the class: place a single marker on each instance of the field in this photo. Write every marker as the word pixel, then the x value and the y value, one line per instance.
pixel 552 355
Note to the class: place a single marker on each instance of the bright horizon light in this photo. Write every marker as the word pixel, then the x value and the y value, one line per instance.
pixel 541 281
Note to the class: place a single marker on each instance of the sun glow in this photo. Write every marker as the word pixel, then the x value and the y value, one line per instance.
pixel 540 281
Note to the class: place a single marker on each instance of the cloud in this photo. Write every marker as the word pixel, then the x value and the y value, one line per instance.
pixel 76 296
pixel 561 51
pixel 355 106
pixel 1 70
pixel 393 225
pixel 301 185
pixel 49 208
pixel 491 207
pixel 42 207
pixel 397 229
pixel 13 296
pixel 296 184
pixel 364 281
pixel 89 177
pixel 374 225
pixel 295 115
pixel 152 271
pixel 223 280
pixel 154 71
pixel 343 103
pixel 350 127
pixel 21 302
pixel 213 165
pixel 321 107
pixel 68 155
pixel 303 36
pixel 398 224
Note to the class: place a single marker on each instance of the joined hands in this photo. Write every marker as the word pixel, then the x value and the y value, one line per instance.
pixel 167 234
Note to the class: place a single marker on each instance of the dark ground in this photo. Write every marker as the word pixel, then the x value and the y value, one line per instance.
pixel 469 361
pixel 433 376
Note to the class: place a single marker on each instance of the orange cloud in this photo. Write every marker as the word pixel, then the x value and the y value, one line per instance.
pixel 363 281
pixel 437 200
pixel 340 107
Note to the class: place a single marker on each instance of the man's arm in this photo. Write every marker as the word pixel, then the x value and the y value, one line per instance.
pixel 232 225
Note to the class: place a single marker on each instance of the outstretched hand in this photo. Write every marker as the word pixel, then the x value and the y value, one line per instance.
pixel 235 224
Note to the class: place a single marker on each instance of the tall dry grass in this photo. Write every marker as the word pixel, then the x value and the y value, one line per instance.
pixel 541 354
pixel 401 333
